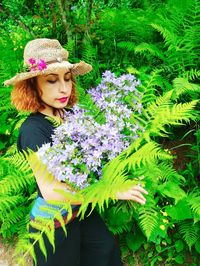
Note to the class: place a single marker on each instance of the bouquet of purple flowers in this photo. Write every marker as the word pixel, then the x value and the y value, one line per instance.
pixel 81 145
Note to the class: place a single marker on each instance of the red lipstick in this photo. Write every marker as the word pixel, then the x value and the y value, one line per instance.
pixel 63 99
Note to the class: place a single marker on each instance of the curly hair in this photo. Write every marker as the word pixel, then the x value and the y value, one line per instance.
pixel 26 95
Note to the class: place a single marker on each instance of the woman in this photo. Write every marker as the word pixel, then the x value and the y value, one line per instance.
pixel 46 89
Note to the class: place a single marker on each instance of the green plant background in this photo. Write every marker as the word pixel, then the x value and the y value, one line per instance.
pixel 159 42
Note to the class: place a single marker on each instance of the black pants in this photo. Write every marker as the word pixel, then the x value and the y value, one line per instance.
pixel 88 243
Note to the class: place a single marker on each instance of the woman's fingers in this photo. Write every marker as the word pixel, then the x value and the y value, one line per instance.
pixel 138 200
pixel 140 189
pixel 135 194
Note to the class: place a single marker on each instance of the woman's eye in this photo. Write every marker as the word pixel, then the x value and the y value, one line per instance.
pixel 51 81
pixel 67 79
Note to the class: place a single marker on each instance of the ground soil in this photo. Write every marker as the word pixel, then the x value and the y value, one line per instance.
pixel 6 255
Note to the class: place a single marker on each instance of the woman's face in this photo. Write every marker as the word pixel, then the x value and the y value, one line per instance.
pixel 55 88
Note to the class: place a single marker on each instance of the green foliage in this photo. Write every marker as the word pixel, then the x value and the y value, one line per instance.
pixel 190 232
pixel 159 42
pixel 144 158
pixel 17 184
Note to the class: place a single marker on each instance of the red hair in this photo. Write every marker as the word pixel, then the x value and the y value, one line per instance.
pixel 26 95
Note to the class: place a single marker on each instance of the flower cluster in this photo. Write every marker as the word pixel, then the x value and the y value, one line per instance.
pixel 80 146
pixel 40 65
pixel 119 97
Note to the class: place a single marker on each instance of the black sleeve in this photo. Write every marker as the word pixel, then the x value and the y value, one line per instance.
pixel 33 136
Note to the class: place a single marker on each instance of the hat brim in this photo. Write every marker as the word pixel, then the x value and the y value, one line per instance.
pixel 80 68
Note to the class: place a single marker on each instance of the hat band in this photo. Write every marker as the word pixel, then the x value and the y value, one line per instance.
pixel 59 59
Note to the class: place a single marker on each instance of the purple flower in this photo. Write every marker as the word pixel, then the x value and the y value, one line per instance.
pixel 42 65
pixel 32 61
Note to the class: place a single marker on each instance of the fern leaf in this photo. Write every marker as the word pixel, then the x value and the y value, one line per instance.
pixel 42 247
pixel 50 237
pixel 148 219
pixel 192 74
pixel 13 218
pixel 147 154
pixel 175 115
pixel 7 202
pixel 129 46
pixel 168 173
pixel 182 86
pixel 153 50
pixel 169 37
pixel 119 220
pixel 194 202
pixel 190 232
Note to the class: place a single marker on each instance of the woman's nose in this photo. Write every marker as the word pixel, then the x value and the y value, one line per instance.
pixel 64 86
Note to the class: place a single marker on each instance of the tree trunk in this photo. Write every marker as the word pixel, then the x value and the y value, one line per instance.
pixel 64 14
pixel 54 17
pixel 89 12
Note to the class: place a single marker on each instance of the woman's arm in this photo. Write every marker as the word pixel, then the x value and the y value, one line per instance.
pixel 49 190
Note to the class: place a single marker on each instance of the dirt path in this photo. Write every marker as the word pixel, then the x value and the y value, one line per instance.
pixel 6 255
pixel 6 252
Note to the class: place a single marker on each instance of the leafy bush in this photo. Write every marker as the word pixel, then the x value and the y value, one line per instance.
pixel 159 42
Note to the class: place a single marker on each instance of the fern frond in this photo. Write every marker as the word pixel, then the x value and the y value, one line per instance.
pixel 169 37
pixel 175 114
pixel 16 174
pixel 132 158
pixel 16 182
pixel 194 202
pixel 148 217
pixel 70 46
pixel 161 172
pixel 190 232
pixel 11 150
pixel 99 196
pixel 89 54
pixel 129 46
pixel 144 48
pixel 8 202
pixel 192 74
pixel 42 225
pixel 22 245
pixel 168 173
pixel 182 86
pixel 159 104
pixel 147 154
pixel 14 220
pixel 19 162
pixel 149 86
pixel 119 220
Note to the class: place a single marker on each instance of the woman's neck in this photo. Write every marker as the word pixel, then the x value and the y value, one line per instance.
pixel 49 111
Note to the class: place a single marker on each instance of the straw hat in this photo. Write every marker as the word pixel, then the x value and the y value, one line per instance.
pixel 45 56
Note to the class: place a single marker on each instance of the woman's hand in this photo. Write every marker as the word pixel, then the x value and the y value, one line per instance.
pixel 135 194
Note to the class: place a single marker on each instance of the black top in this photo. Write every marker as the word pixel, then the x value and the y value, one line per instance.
pixel 35 131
